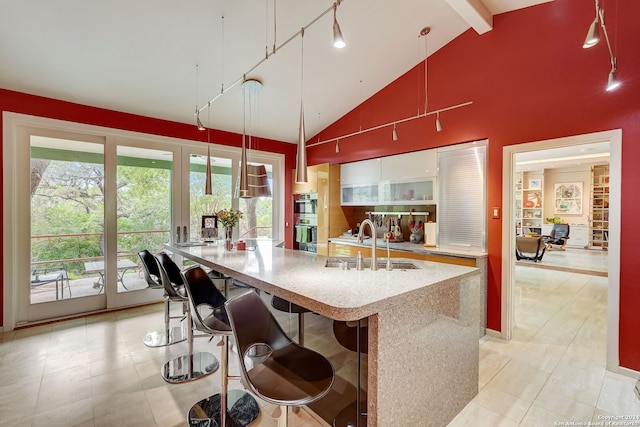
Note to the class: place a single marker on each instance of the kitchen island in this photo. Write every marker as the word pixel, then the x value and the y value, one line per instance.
pixel 423 322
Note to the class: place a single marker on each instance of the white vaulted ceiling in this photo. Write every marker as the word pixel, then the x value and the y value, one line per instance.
pixel 140 56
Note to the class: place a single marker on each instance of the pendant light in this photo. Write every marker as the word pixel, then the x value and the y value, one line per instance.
pixel 244 188
pixel 337 145
pixel 438 124
pixel 207 179
pixel 301 158
pixel 593 37
pixel 394 134
pixel 338 40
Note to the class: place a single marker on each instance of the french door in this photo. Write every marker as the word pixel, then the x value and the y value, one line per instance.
pixel 94 203
pixel 81 201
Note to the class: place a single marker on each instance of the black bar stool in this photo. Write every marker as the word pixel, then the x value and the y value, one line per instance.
pixel 210 317
pixel 273 366
pixel 170 335
pixel 191 366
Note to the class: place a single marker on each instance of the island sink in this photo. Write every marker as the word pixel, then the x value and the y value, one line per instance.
pixel 351 263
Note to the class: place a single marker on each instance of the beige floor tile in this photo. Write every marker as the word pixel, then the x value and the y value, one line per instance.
pixel 560 404
pixel 479 416
pixel 503 403
pixel 73 413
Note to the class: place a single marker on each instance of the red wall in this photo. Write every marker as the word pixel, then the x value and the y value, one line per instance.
pixel 529 80
pixel 45 107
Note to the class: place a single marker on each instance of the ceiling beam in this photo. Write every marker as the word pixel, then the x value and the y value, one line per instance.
pixel 475 13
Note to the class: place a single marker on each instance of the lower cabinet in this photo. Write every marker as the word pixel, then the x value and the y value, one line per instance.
pixel 343 250
pixel 578 236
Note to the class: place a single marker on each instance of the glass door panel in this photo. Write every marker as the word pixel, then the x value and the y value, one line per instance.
pixel 201 204
pixel 66 217
pixel 143 215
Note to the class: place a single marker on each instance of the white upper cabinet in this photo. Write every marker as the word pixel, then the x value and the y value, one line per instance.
pixel 401 179
pixel 419 164
pixel 363 172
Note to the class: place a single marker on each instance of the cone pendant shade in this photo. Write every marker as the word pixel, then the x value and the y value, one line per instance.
pixel 244 185
pixel 207 179
pixel 301 159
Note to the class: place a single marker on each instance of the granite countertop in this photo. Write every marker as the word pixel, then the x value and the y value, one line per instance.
pixel 302 278
pixel 412 247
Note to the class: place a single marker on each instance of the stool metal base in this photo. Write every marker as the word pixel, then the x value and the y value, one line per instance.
pixel 184 368
pixel 242 410
pixel 165 337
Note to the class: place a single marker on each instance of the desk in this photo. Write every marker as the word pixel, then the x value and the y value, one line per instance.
pixel 423 323
pixel 98 267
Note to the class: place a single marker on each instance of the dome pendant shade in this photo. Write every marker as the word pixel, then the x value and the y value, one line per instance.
pixel 301 158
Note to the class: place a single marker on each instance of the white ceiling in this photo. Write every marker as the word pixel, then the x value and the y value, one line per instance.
pixel 140 56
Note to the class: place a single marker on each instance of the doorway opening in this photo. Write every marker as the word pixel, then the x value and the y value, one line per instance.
pixel 523 221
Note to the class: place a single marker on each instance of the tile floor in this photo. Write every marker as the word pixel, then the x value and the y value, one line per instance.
pixel 95 371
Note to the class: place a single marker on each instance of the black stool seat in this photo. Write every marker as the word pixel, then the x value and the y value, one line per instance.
pixel 346 333
pixel 229 408
pixel 273 366
pixel 169 335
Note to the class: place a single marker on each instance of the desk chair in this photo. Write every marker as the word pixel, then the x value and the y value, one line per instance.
pixel 207 306
pixel 191 366
pixel 530 248
pixel 169 335
pixel 559 236
pixel 273 367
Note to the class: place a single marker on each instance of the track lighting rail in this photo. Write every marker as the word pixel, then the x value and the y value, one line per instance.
pixel 266 57
pixel 395 122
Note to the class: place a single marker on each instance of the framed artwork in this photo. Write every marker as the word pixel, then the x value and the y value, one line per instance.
pixel 209 231
pixel 535 184
pixel 568 198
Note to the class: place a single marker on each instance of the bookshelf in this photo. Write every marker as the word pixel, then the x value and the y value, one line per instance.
pixel 599 207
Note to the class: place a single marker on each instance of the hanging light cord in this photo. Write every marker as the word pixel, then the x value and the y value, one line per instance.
pixel 276 49
pixel 301 64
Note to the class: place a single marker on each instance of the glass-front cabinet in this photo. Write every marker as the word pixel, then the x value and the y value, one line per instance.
pixel 359 194
pixel 419 191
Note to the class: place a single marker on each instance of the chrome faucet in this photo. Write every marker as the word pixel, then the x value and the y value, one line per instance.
pixel 374 260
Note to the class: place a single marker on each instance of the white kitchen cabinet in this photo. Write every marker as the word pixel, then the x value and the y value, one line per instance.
pixel 418 164
pixel 359 183
pixel 363 172
pixel 409 192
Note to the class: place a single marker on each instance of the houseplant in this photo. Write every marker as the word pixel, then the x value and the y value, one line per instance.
pixel 229 218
